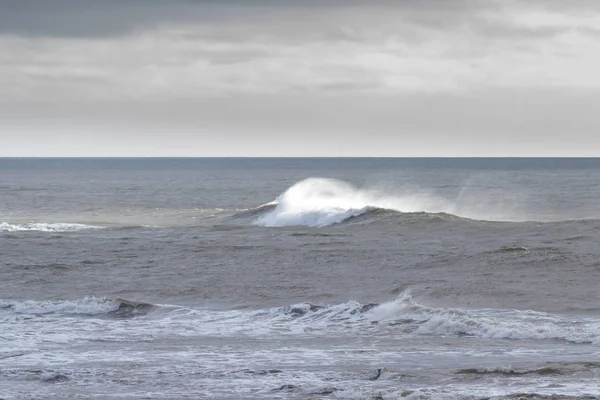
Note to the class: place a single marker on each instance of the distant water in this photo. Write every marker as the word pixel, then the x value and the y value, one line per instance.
pixel 299 278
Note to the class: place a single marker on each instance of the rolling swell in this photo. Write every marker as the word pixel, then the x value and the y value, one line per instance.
pixel 555 368
pixel 370 215
pixel 318 219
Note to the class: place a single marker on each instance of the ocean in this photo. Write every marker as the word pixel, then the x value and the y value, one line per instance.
pixel 325 278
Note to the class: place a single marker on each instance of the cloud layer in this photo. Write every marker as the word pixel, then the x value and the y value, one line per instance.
pixel 114 61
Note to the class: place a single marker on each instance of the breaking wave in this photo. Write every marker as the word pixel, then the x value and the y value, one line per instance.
pixel 45 227
pixel 487 323
pixel 410 317
pixel 401 316
pixel 320 202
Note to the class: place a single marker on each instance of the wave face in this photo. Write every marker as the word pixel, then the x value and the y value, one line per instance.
pixel 320 202
pixel 45 227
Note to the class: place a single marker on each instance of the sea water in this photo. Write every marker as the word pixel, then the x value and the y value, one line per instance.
pixel 299 278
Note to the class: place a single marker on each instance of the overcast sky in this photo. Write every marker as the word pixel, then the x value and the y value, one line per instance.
pixel 299 78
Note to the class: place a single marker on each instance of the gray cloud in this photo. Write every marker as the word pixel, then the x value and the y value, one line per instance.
pixel 97 18
pixel 90 18
pixel 155 48
pixel 383 77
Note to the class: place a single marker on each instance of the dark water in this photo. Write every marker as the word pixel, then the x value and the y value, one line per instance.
pixel 299 278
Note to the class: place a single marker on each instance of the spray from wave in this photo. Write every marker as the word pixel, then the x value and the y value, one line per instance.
pixel 320 202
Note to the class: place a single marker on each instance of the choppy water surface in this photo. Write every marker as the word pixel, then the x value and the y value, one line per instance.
pixel 299 278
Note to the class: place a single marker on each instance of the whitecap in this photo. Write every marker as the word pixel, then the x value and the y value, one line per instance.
pixel 45 227
pixel 85 306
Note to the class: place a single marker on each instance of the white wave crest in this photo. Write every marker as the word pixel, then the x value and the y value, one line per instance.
pixel 319 202
pixel 398 317
pixel 85 306
pixel 45 227
pixel 486 323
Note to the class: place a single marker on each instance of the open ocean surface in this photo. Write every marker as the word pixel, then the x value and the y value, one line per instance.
pixel 299 278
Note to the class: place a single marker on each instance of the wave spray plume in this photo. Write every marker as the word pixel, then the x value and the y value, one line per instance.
pixel 319 202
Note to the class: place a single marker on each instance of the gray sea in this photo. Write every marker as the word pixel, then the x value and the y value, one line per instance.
pixel 299 278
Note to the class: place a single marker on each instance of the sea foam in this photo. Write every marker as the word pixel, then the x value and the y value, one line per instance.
pixel 86 306
pixel 486 323
pixel 401 316
pixel 45 227
pixel 397 317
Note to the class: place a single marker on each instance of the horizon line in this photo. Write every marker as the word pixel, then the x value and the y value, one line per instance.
pixel 300 157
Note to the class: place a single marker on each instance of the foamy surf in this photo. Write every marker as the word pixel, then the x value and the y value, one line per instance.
pixel 90 306
pixel 407 316
pixel 396 317
pixel 45 227
pixel 403 315
pixel 486 323
pixel 400 316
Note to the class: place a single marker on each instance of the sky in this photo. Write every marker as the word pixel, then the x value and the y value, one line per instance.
pixel 289 78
